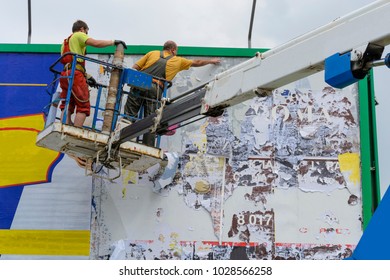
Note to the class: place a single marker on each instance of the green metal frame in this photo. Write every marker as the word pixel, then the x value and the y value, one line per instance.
pixel 368 135
pixel 368 148
pixel 131 50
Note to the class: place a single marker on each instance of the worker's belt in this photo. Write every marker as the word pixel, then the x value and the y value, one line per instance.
pixel 79 67
pixel 158 82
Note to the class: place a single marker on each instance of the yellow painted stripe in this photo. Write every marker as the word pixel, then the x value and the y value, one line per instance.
pixel 33 121
pixel 350 162
pixel 22 85
pixel 45 242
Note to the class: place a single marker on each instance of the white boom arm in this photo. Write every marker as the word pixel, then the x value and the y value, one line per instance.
pixel 300 57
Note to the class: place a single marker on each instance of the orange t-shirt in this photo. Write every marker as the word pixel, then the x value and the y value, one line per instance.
pixel 174 65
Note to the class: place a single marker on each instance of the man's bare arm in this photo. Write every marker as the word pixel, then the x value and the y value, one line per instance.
pixel 203 62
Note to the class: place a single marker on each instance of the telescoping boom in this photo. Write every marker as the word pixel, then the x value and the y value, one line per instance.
pixel 360 35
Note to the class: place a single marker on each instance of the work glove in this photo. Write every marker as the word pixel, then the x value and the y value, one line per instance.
pixel 92 82
pixel 117 42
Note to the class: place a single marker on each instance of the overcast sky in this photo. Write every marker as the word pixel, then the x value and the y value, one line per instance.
pixel 207 23
pixel 214 23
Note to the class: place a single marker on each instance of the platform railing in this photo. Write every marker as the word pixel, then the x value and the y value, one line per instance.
pixel 131 77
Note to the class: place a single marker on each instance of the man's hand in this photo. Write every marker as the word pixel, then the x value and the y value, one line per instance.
pixel 92 82
pixel 117 42
pixel 215 61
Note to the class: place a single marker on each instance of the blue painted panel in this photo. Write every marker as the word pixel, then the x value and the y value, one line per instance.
pixel 22 93
pixel 19 68
pixel 26 67
pixel 8 203
pixel 374 244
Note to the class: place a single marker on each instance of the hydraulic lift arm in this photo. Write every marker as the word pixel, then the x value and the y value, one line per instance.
pixel 362 34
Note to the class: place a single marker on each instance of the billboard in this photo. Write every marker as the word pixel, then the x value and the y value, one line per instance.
pixel 276 177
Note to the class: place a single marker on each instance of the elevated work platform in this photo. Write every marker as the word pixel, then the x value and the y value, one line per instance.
pixel 87 144
pixel 94 144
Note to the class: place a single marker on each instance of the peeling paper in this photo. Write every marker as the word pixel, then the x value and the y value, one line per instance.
pixel 119 252
pixel 129 177
pixel 350 167
pixel 168 174
pixel 275 159
pixel 322 175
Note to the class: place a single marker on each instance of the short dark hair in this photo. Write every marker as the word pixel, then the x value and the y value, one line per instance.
pixel 170 45
pixel 78 25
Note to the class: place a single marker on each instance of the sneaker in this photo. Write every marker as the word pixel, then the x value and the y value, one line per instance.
pixel 82 162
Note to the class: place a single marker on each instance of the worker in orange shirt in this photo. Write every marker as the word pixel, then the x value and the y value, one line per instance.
pixel 163 64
